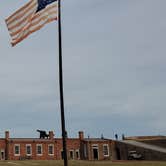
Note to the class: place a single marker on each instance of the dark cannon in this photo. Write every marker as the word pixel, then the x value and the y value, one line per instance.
pixel 43 134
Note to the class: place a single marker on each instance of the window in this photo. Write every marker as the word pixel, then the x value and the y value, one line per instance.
pixel 17 149
pixel 77 154
pixel 105 150
pixel 39 149
pixel 28 150
pixel 51 149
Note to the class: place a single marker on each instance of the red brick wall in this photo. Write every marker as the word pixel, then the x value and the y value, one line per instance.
pixel 99 144
pixel 72 144
pixel 2 144
pixel 34 155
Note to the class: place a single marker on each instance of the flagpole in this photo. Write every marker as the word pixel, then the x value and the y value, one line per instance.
pixel 64 133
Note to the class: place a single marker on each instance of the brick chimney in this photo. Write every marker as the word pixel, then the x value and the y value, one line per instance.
pixel 6 135
pixel 81 135
pixel 51 135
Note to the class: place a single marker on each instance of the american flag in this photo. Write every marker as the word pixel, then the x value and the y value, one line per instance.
pixel 30 18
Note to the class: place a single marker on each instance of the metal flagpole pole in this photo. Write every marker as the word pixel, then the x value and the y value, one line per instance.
pixel 64 133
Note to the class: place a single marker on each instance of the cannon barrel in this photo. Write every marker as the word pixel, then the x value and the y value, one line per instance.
pixel 43 134
pixel 40 131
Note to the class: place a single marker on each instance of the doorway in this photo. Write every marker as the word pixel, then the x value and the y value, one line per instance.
pixel 71 154
pixel 118 153
pixel 2 154
pixel 95 152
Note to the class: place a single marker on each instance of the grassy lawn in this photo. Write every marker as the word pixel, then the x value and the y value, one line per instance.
pixel 80 163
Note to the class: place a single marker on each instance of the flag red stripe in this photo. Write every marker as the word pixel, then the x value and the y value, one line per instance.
pixel 26 20
pixel 28 5
pixel 26 35
pixel 31 24
pixel 34 21
pixel 22 20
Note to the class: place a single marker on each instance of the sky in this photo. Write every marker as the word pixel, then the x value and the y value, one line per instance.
pixel 113 64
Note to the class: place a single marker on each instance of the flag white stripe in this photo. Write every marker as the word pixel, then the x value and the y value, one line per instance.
pixel 28 32
pixel 32 28
pixel 52 8
pixel 37 20
pixel 21 19
pixel 20 11
pixel 42 20
pixel 21 24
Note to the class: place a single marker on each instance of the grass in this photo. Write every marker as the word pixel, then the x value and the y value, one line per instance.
pixel 81 163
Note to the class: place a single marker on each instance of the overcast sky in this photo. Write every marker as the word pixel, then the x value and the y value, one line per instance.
pixel 114 61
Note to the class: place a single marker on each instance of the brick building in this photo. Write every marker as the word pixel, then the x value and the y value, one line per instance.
pixel 81 148
pixel 51 148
